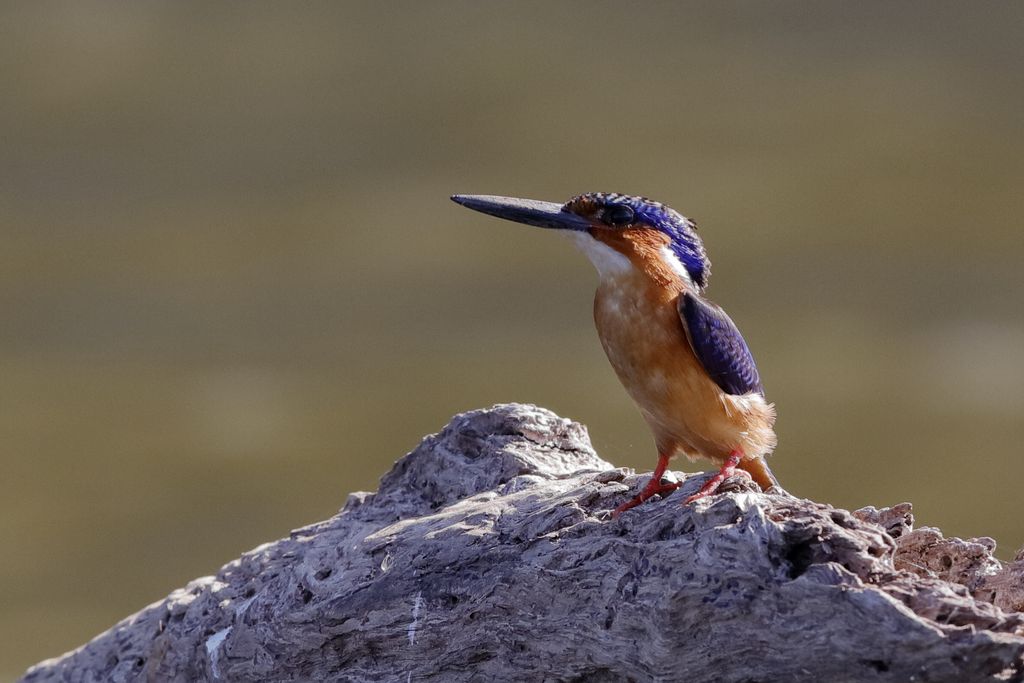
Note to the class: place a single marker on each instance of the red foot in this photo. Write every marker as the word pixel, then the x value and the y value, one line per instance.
pixel 711 487
pixel 648 492
pixel 654 487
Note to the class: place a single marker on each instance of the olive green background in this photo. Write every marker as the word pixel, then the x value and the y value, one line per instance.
pixel 233 289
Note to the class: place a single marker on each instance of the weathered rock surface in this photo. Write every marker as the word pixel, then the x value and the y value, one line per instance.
pixel 488 555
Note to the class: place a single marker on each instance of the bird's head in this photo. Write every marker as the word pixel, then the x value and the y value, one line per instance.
pixel 616 231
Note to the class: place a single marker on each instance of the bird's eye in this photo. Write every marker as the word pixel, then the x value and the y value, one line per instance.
pixel 619 215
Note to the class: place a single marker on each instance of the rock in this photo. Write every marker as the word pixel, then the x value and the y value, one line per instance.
pixel 488 554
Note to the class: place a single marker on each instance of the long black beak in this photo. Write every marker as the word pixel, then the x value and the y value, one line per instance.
pixel 529 211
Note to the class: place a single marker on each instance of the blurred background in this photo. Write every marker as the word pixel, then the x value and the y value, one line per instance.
pixel 233 289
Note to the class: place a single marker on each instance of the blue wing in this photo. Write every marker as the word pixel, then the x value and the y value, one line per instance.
pixel 719 346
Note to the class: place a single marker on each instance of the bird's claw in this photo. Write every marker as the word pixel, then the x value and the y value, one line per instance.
pixel 651 490
pixel 712 485
pixel 729 483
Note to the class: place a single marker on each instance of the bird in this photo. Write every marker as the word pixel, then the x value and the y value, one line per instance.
pixel 679 356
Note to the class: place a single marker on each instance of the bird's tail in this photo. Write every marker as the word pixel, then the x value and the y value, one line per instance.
pixel 758 470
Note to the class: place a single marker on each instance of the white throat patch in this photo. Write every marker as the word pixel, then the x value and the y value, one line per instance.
pixel 609 263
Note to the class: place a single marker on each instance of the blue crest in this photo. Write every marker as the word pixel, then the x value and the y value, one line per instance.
pixel 681 231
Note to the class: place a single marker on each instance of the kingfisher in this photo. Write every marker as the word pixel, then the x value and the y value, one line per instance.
pixel 679 356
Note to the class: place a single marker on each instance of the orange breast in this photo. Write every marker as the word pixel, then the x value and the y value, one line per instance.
pixel 643 336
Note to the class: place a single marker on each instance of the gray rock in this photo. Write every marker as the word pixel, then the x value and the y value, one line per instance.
pixel 488 554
